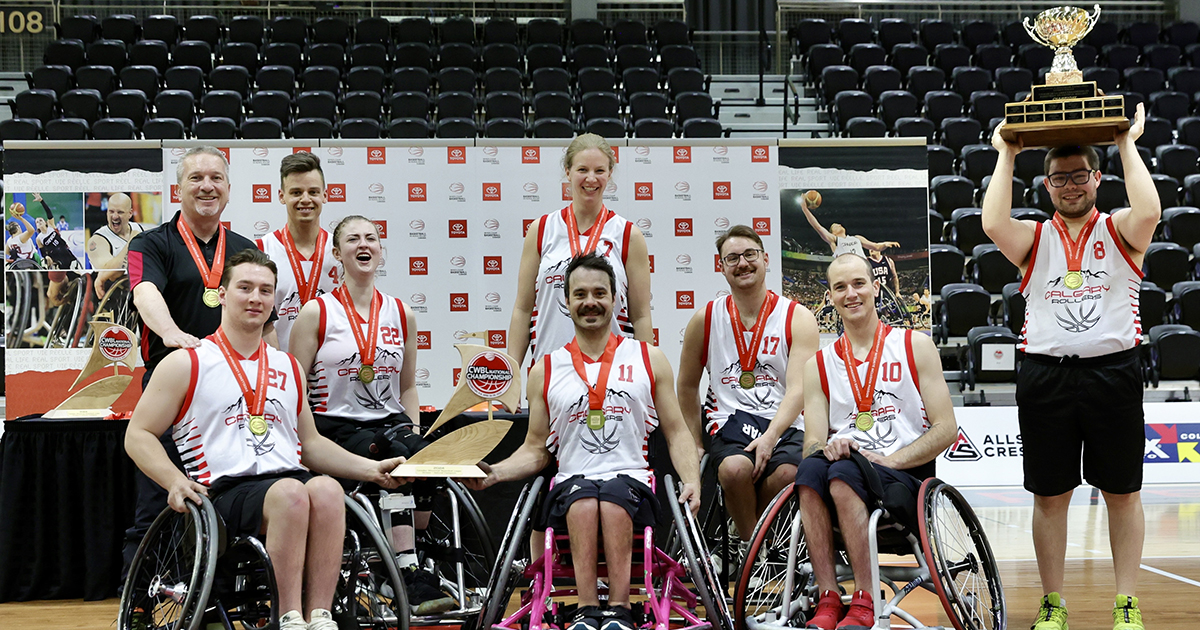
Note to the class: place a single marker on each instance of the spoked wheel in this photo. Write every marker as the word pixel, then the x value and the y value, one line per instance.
pixel 172 572
pixel 514 557
pixel 370 592
pixel 63 324
pixel 965 573
pixel 245 589
pixel 762 579
pixel 698 560
pixel 452 546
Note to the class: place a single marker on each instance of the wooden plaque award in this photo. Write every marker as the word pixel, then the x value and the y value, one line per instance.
pixel 114 346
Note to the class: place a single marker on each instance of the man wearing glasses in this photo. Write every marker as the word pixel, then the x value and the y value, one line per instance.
pixel 1079 393
pixel 753 343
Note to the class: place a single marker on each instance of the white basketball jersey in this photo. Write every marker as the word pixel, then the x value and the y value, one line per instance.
pixel 116 243
pixel 551 327
pixel 212 429
pixel 848 245
pixel 897 408
pixel 287 292
pixel 720 358
pixel 1101 317
pixel 620 446
pixel 333 385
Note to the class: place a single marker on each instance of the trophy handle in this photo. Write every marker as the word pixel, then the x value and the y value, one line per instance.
pixel 1092 19
pixel 1033 34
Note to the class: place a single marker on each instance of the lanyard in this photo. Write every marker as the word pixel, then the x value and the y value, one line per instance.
pixel 1074 247
pixel 747 355
pixel 573 231
pixel 864 391
pixel 596 393
pixel 256 399
pixel 307 286
pixel 366 345
pixel 210 276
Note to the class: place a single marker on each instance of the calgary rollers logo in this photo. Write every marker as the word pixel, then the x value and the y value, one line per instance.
pixel 531 155
pixel 456 155
pixel 493 265
pixel 489 375
pixel 491 191
pixel 722 190
pixel 416 192
pixel 762 226
pixel 459 303
pixel 335 192
pixel 376 155
pixel 458 228
pixel 760 154
pixel 262 193
pixel 685 300
pixel 497 339
pixel 683 155
pixel 115 343
pixel 683 227
pixel 418 265
pixel 643 191
pixel 424 340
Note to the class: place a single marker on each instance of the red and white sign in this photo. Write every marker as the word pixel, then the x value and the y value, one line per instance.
pixel 762 226
pixel 376 155
pixel 459 302
pixel 643 191
pixel 262 193
pixel 174 193
pixel 722 190
pixel 489 375
pixel 335 192
pixel 683 227
pixel 491 191
pixel 424 340
pixel 683 155
pixel 458 228
pixel 456 155
pixel 115 343
pixel 566 191
pixel 418 265
pixel 651 263
pixel 525 223
pixel 417 192
pixel 493 265
pixel 685 299
pixel 497 339
pixel 760 154
pixel 301 149
pixel 531 155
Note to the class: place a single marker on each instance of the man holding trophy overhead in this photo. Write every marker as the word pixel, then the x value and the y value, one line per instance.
pixel 1079 393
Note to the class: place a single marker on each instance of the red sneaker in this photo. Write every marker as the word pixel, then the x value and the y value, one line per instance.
pixel 829 612
pixel 861 615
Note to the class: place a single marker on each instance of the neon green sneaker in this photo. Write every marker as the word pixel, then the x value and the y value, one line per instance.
pixel 1126 615
pixel 1052 615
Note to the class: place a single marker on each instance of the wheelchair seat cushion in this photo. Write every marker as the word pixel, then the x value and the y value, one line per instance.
pixel 239 500
pixel 817 473
pixel 634 496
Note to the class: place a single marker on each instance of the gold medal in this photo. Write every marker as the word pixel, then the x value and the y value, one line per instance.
pixel 211 300
pixel 366 374
pixel 258 425
pixel 864 421
pixel 746 380
pixel 1073 279
pixel 595 419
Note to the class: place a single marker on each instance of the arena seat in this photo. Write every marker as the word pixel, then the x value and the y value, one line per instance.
pixel 946 264
pixel 963 306
pixel 1174 353
pixel 1152 305
pixel 1165 264
pixel 990 269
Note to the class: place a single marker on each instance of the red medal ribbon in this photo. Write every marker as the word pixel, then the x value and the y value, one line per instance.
pixel 210 277
pixel 864 392
pixel 747 355
pixel 256 398
pixel 593 239
pixel 366 346
pixel 595 392
pixel 307 286
pixel 1075 247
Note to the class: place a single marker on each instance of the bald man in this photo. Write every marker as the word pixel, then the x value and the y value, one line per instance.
pixel 108 245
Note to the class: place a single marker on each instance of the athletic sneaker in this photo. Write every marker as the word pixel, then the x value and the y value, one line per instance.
pixel 322 620
pixel 292 620
pixel 1053 613
pixel 1126 615
pixel 616 618
pixel 425 595
pixel 829 612
pixel 861 615
pixel 586 619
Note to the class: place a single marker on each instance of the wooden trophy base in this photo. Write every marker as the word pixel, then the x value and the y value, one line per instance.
pixel 456 454
pixel 1094 131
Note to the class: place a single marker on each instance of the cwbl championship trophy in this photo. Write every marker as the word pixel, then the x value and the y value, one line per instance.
pixel 1067 110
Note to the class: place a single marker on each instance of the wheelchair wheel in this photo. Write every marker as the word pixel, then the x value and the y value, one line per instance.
pixel 514 550
pixel 370 592
pixel 63 326
pixel 172 572
pixel 762 578
pixel 473 551
pixel 245 589
pixel 966 577
pixel 699 562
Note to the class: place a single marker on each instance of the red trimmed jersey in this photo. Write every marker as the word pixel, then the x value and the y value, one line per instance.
pixel 550 326
pixel 720 358
pixel 287 292
pixel 333 385
pixel 212 430
pixel 897 408
pixel 620 446
pixel 1101 317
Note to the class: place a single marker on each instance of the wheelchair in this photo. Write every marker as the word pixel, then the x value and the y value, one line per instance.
pixel 777 589
pixel 669 602
pixel 186 575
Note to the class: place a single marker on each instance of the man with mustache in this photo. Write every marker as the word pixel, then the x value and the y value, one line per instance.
pixel 1079 392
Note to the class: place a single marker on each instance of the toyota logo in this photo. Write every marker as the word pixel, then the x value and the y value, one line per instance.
pixel 416 151
pixel 530 152
pixel 722 188
pixel 491 151
pixel 335 190
pixel 422 374
pixel 262 226
pixel 685 298
pixel 417 298
pixel 682 187
pixel 416 224
pixel 644 224
pixel 418 190
pixel 457 227
pixel 376 188
pixel 643 189
pixel 492 297
pixel 491 190
pixel 641 150
pixel 493 263
pixel 720 150
pixel 460 335
pixel 460 300
pixel 456 188
pixel 335 151
pixel 760 186
pixel 530 188
pixel 762 225
pixel 681 151
pixel 456 153
pixel 497 337
pixel 262 190
pixel 491 224
pixel 683 259
pixel 376 153
pixel 721 223
pixel 683 225
pixel 760 151
pixel 418 264
pixel 458 261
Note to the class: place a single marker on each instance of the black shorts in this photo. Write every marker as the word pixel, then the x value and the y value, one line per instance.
pixel 239 500
pixel 818 472
pixel 357 437
pixel 1085 409
pixel 636 497
pixel 727 443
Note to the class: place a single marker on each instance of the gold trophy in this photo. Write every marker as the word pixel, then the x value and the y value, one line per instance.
pixel 1067 110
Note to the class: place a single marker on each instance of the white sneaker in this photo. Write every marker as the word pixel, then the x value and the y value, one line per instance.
pixel 322 620
pixel 292 620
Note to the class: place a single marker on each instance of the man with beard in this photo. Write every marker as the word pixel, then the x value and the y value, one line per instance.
pixel 1079 392
pixel 875 381
pixel 753 344
pixel 592 406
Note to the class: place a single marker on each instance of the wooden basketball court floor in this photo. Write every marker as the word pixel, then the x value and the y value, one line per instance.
pixel 1169 583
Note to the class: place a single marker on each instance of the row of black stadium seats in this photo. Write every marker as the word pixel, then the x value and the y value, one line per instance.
pixel 334 30
pixel 931 32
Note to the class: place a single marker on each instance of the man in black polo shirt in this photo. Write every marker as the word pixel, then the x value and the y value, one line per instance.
pixel 174 270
